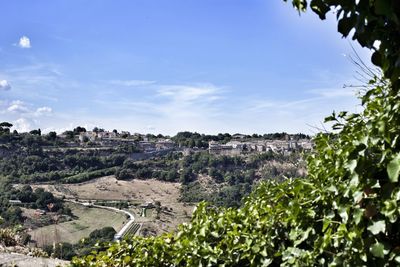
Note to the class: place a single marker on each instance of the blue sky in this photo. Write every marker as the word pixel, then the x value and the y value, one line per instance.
pixel 158 66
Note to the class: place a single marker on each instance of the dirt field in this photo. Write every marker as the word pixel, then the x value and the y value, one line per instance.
pixel 89 219
pixel 137 191
pixel 109 188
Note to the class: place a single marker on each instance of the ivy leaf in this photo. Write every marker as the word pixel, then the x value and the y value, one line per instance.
pixel 346 24
pixel 382 7
pixel 377 250
pixel 376 58
pixel 393 169
pixel 202 231
pixel 377 227
pixel 319 7
pixel 343 213
pixel 352 165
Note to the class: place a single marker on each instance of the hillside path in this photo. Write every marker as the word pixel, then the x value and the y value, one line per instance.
pixel 121 232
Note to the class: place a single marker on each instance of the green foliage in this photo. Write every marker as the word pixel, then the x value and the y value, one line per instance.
pixel 86 176
pixel 346 213
pixel 28 161
pixel 66 250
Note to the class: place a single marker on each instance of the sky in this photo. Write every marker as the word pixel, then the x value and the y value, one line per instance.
pixel 164 66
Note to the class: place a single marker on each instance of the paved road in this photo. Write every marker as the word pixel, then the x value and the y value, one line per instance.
pixel 20 260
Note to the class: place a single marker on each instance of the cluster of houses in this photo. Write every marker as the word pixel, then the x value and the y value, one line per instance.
pixel 237 146
pixel 112 139
pixel 163 144
pixel 280 146
pixel 101 136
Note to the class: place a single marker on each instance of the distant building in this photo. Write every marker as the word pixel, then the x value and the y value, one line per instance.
pixel 15 202
pixel 147 147
pixel 91 136
pixel 164 144
pixel 220 149
pixel 238 136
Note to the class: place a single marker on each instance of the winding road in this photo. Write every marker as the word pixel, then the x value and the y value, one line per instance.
pixel 121 232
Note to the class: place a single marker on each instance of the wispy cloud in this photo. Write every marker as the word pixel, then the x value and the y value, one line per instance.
pixel 333 92
pixel 36 81
pixel 43 111
pixel 316 97
pixel 23 125
pixel 24 42
pixel 18 106
pixel 132 83
pixel 171 108
pixel 190 93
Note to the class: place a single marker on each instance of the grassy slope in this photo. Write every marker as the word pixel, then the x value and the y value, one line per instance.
pixel 89 219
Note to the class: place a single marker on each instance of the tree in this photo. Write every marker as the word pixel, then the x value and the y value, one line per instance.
pixel 79 130
pixel 69 135
pixel 371 21
pixel 6 124
pixel 36 132
pixel 52 136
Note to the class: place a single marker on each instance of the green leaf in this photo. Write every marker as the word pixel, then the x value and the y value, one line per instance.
pixel 358 215
pixel 377 250
pixel 343 214
pixel 346 24
pixel 377 227
pixel 393 169
pixel 202 231
pixel 382 7
pixel 352 165
pixel 319 7
pixel 376 58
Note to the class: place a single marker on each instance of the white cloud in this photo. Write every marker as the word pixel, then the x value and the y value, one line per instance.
pixel 4 85
pixel 334 92
pixel 18 106
pixel 43 111
pixel 24 42
pixel 188 93
pixel 22 125
pixel 132 82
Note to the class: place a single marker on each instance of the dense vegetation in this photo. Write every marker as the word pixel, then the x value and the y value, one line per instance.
pixel 38 199
pixel 66 250
pixel 35 157
pixel 232 177
pixel 28 162
pixel 345 213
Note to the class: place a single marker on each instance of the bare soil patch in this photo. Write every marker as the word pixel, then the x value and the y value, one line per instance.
pixel 172 212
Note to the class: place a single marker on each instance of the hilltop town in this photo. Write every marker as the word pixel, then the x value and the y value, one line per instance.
pixel 235 144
